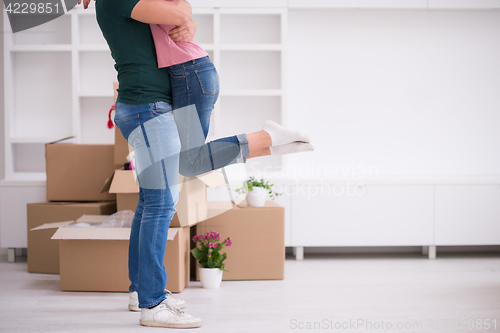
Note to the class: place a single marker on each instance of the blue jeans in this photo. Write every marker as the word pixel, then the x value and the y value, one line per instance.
pixel 162 138
pixel 195 89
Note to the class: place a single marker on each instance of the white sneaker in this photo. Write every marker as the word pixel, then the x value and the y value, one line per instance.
pixel 166 315
pixel 133 301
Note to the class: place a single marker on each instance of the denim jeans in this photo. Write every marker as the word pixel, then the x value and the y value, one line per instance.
pixel 195 89
pixel 167 142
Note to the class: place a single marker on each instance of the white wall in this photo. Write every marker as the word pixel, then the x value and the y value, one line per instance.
pixel 412 93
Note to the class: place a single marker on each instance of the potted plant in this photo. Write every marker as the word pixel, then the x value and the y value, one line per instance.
pixel 257 191
pixel 210 260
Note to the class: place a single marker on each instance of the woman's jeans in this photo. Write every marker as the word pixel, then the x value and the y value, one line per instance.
pixel 167 142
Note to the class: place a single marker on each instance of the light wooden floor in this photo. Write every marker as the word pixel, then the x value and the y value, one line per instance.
pixel 334 290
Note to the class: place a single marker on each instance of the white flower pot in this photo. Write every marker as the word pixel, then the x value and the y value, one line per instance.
pixel 210 278
pixel 257 197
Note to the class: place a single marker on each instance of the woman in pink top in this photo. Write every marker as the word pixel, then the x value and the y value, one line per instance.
pixel 195 82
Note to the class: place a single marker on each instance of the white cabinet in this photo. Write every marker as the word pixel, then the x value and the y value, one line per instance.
pixel 371 215
pixel 13 216
pixel 467 215
pixel 464 4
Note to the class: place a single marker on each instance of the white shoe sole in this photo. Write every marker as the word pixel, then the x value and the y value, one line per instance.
pixel 135 307
pixel 169 325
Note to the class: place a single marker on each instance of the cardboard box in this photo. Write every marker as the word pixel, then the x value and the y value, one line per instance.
pixel 192 204
pixel 258 239
pixel 122 148
pixel 43 253
pixel 77 172
pixel 96 259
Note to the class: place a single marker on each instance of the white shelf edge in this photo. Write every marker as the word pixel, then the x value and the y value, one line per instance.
pixel 252 92
pixel 26 139
pixel 93 47
pixel 41 48
pixel 251 47
pixel 207 10
pixel 207 46
pixel 253 11
pixel 78 10
pixel 24 179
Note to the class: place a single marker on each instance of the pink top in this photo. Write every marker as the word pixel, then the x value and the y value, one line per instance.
pixel 171 53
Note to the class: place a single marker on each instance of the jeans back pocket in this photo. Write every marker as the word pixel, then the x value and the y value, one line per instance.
pixel 209 80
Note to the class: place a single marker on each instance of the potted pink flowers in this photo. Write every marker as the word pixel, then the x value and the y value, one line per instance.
pixel 210 260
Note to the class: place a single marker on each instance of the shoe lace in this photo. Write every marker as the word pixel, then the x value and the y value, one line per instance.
pixel 175 310
pixel 171 307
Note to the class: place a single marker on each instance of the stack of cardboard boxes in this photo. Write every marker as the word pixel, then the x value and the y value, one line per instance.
pixel 86 183
pixel 75 176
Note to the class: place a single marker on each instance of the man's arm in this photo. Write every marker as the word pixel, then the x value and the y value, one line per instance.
pixel 162 12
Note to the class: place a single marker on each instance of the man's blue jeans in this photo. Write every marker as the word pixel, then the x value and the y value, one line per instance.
pixel 168 142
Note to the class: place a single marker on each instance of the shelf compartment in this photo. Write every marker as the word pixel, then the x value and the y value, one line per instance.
pixel 248 70
pixel 28 157
pixel 205 28
pixel 97 71
pixel 41 48
pixel 251 47
pixel 57 31
pixel 94 119
pixel 252 92
pixel 250 28
pixel 236 115
pixel 40 107
pixel 246 114
pixel 89 31
pixel 94 47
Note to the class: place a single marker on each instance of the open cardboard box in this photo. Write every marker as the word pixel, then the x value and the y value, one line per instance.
pixel 192 204
pixel 96 259
pixel 43 253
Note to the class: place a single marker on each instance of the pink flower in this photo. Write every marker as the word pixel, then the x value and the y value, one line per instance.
pixel 208 255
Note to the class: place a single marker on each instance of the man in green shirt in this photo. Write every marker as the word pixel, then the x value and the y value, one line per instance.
pixel 145 92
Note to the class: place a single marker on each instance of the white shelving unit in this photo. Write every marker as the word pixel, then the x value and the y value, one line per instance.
pixel 246 45
pixel 248 49
pixel 72 55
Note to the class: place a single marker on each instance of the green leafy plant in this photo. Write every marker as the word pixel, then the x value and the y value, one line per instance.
pixel 208 254
pixel 251 182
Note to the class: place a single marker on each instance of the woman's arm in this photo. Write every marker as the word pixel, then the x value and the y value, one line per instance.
pixel 162 12
pixel 184 33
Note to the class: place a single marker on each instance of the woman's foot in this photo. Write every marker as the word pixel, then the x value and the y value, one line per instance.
pixel 291 148
pixel 281 135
